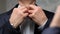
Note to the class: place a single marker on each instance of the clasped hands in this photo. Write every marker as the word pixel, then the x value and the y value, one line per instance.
pixel 34 12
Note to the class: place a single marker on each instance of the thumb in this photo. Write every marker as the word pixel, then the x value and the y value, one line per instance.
pixel 30 11
pixel 26 14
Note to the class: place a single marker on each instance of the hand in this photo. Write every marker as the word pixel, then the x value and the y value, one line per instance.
pixel 18 16
pixel 37 14
pixel 56 20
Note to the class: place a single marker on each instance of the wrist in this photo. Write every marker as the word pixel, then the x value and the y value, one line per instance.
pixel 44 21
pixel 12 24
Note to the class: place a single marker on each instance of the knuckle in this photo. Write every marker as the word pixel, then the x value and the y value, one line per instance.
pixel 33 14
pixel 22 8
pixel 15 8
pixel 21 14
pixel 39 7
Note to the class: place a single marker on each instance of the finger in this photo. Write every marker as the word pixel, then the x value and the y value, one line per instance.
pixel 30 11
pixel 26 14
pixel 25 10
pixel 32 7
pixel 39 7
pixel 32 15
pixel 20 11
pixel 21 8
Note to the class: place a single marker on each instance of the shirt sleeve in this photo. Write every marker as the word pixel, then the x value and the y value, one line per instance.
pixel 42 26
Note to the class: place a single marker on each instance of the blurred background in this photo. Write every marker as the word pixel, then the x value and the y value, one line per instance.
pixel 50 5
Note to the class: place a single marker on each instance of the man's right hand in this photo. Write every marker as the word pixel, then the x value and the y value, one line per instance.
pixel 18 16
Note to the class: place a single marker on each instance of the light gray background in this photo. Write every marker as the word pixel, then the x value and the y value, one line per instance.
pixel 2 6
pixel 49 5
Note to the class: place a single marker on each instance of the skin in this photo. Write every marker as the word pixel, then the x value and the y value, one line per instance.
pixel 56 20
pixel 18 16
pixel 20 12
pixel 28 8
pixel 34 12
pixel 37 14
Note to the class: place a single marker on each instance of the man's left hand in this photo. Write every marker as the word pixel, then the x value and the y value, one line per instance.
pixel 37 14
